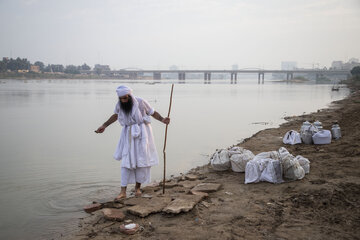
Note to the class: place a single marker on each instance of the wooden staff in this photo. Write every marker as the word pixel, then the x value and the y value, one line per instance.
pixel 172 88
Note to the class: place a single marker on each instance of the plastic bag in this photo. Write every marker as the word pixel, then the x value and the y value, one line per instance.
pixel 322 137
pixel 272 172
pixel 292 137
pixel 240 158
pixel 304 163
pixel 252 172
pixel 292 169
pixel 220 160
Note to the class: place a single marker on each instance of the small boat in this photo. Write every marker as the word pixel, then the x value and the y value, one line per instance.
pixel 335 88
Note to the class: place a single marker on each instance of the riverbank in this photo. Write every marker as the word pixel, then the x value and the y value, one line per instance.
pixel 323 205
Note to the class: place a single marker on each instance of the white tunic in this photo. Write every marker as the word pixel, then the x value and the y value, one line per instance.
pixel 136 147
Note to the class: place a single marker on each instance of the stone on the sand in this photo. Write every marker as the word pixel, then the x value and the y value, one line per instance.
pixel 203 194
pixel 207 187
pixel 92 207
pixel 191 177
pixel 169 184
pixel 113 214
pixel 133 201
pixel 149 205
pixel 183 204
pixel 189 184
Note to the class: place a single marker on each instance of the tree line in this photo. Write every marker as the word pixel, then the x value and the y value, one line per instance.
pixel 14 65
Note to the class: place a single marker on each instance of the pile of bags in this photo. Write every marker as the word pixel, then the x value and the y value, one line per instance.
pixel 312 134
pixel 236 158
pixel 271 166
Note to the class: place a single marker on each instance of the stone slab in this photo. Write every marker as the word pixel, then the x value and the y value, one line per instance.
pixel 169 184
pixel 182 204
pixel 134 201
pixel 113 214
pixel 202 194
pixel 191 177
pixel 92 207
pixel 189 184
pixel 207 187
pixel 149 206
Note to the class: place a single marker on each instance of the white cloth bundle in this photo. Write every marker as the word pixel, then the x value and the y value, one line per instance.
pixel 292 137
pixel 304 163
pixel 239 157
pixel 220 160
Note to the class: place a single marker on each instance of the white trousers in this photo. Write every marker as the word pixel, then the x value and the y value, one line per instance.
pixel 131 176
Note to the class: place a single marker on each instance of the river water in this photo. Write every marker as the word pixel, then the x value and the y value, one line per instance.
pixel 52 163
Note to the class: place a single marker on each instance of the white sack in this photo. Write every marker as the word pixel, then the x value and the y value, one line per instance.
pixel 304 163
pixel 292 169
pixel 272 172
pixel 252 172
pixel 220 160
pixel 273 154
pixel 292 137
pixel 255 167
pixel 239 159
pixel 322 137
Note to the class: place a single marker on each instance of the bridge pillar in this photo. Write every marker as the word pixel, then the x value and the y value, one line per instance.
pixel 261 76
pixel 157 75
pixel 133 75
pixel 181 76
pixel 289 76
pixel 207 77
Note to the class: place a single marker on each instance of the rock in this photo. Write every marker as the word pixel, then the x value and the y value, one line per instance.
pixel 149 205
pixel 182 204
pixel 203 194
pixel 112 205
pixel 207 187
pixel 92 207
pixel 134 201
pixel 113 214
pixel 151 188
pixel 206 204
pixel 191 177
pixel 169 184
pixel 189 184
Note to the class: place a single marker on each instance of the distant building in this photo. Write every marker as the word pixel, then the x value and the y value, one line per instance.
pixel 99 67
pixel 340 65
pixel 337 65
pixel 34 68
pixel 288 65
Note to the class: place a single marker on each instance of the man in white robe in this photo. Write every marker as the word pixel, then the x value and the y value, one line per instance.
pixel 136 147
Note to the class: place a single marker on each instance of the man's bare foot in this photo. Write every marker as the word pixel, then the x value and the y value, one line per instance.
pixel 121 196
pixel 138 192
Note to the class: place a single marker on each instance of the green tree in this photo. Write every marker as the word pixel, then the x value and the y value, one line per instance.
pixel 41 65
pixel 72 69
pixel 85 67
pixel 355 71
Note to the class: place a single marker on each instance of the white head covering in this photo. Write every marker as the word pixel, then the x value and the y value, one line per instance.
pixel 123 90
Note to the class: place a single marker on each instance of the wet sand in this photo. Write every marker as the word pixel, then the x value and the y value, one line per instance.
pixel 323 205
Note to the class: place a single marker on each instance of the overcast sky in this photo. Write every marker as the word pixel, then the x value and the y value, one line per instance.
pixel 187 33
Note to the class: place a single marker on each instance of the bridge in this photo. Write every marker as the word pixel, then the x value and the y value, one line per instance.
pixel 134 73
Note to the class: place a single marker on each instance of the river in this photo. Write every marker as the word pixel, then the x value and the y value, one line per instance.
pixel 52 163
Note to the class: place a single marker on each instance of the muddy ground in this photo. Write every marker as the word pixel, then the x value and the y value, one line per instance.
pixel 323 205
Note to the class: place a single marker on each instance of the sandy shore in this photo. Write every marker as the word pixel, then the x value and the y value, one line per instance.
pixel 323 205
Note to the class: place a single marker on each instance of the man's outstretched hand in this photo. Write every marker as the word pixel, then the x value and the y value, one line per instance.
pixel 100 129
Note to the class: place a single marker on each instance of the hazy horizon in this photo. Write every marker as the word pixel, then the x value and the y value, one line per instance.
pixel 204 34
